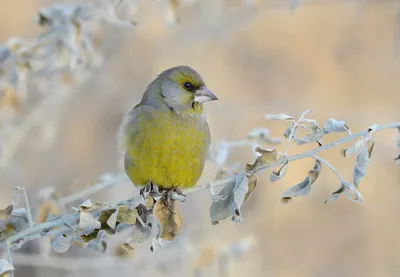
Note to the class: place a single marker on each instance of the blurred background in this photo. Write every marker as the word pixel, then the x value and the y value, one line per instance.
pixel 340 58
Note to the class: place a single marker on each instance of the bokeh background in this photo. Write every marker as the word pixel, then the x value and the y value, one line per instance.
pixel 340 58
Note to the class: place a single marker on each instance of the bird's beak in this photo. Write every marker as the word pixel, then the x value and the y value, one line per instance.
pixel 204 95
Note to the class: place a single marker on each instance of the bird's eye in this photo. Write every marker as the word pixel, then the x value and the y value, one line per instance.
pixel 188 86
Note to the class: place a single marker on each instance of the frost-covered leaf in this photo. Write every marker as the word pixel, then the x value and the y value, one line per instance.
pixel 278 117
pixel 253 180
pixel 99 243
pixel 231 198
pixel 397 160
pixel 277 175
pixel 112 220
pixel 6 212
pixel 315 136
pixel 350 191
pixel 85 206
pixel 267 156
pixel 355 148
pixel 16 221
pixel 304 187
pixel 139 234
pixel 332 125
pixel 398 138
pixel 170 221
pixel 335 195
pixel 288 130
pixel 362 162
pixel 5 267
pixel 62 242
pixel 87 220
pixel 127 215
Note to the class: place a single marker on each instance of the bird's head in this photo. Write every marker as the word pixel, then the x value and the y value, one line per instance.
pixel 183 89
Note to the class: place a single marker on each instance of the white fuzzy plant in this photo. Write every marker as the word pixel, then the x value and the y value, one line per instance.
pixel 91 223
pixel 68 45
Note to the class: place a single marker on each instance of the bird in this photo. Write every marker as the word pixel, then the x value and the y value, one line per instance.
pixel 165 138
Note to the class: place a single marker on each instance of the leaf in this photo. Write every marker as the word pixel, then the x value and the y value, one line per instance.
pixel 335 126
pixel 253 179
pixel 267 156
pixel 350 191
pixel 112 220
pixel 87 220
pixel 232 197
pixel 4 214
pixel 355 148
pixel 99 243
pixel 362 162
pixel 139 234
pixel 5 267
pixel 170 221
pixel 353 194
pixel 62 242
pixel 16 221
pixel 303 188
pixel 277 175
pixel 361 144
pixel 86 206
pixel 397 160
pixel 335 195
pixel 126 215
pixel 288 130
pixel 315 136
pixel 398 138
pixel 278 117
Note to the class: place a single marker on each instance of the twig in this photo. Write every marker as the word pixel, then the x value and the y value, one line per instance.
pixel 72 219
pixel 110 182
pixel 330 167
pixel 313 152
pixel 294 129
pixel 27 206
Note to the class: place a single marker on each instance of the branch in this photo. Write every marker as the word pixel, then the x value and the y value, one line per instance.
pixel 72 219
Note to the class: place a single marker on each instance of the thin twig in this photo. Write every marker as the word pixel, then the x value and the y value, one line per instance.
pixel 330 167
pixel 108 183
pixel 26 205
pixel 294 129
pixel 328 146
pixel 72 219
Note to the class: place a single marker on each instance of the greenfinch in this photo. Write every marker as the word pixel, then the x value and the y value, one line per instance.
pixel 165 138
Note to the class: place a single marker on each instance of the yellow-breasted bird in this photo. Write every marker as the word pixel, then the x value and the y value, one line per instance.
pixel 165 138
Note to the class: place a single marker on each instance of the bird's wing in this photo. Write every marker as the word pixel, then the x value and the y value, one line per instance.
pixel 127 130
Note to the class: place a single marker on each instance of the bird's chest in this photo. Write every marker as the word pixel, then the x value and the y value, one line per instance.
pixel 180 137
pixel 172 151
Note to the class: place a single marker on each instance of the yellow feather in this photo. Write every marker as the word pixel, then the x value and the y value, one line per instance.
pixel 168 149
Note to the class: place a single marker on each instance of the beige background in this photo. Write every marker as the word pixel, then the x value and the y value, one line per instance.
pixel 340 58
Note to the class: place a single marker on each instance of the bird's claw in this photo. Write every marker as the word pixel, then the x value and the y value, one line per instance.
pixel 168 198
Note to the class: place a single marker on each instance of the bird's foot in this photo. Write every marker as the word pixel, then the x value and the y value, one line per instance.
pixel 150 190
pixel 172 195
